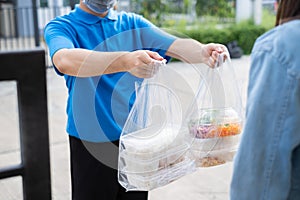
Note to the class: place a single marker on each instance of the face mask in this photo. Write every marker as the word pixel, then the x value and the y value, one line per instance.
pixel 99 6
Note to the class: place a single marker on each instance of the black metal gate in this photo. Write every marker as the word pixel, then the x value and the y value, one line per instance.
pixel 28 69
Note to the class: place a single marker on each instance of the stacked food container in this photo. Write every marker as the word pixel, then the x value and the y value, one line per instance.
pixel 153 157
pixel 215 136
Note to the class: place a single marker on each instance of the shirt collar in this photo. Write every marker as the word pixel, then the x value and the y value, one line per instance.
pixel 92 19
pixel 282 21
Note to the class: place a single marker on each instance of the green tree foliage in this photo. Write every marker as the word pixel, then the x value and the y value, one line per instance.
pixel 155 10
pixel 216 8
pixel 244 33
pixel 150 9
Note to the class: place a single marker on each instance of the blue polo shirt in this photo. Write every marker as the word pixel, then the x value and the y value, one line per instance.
pixel 98 107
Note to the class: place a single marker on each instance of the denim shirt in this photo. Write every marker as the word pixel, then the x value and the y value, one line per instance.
pixel 267 165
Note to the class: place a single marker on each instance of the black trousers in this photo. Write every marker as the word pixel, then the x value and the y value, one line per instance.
pixel 95 177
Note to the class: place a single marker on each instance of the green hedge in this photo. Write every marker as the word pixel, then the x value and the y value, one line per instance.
pixel 244 34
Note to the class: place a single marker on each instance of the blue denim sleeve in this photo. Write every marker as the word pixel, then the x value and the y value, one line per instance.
pixel 262 167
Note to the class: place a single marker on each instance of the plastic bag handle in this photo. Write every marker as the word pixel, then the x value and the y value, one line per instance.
pixel 221 60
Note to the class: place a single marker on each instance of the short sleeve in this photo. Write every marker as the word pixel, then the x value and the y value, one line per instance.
pixel 56 38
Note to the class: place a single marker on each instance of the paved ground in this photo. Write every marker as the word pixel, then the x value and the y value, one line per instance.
pixel 205 184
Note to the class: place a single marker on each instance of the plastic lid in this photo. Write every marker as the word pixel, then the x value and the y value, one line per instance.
pixel 218 116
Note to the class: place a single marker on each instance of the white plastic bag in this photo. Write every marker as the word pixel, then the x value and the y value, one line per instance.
pixel 162 141
pixel 154 143
pixel 216 120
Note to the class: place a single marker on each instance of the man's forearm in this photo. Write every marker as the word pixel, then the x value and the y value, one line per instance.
pixel 187 50
pixel 86 63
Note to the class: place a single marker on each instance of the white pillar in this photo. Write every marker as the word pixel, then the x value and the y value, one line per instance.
pixel 249 9
pixel 243 10
pixel 257 12
pixel 192 10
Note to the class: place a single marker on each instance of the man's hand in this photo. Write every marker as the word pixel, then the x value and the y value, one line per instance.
pixel 192 51
pixel 214 54
pixel 142 63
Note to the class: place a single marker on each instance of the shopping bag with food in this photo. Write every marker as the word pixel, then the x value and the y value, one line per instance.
pixel 154 145
pixel 216 117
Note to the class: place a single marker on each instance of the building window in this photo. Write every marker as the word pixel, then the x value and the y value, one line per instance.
pixel 43 3
pixel 70 2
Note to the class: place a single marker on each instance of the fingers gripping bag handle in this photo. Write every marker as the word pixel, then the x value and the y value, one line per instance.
pixel 153 149
pixel 216 117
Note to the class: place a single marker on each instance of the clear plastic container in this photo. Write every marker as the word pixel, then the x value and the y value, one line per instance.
pixel 214 123
pixel 154 156
pixel 217 143
pixel 151 162
pixel 212 158
pixel 151 180
pixel 216 136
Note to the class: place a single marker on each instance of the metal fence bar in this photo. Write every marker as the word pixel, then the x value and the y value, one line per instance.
pixel 28 69
pixel 11 171
pixel 35 24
